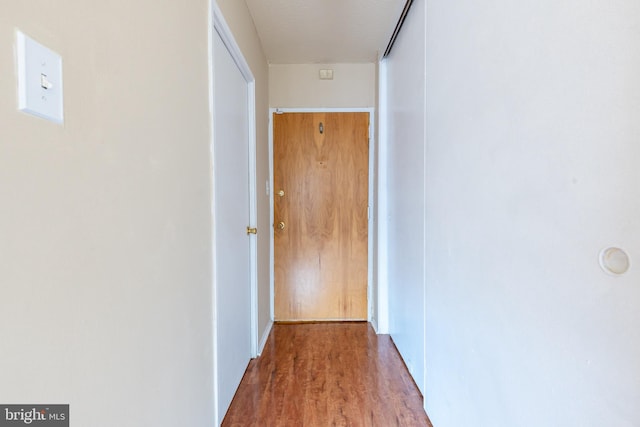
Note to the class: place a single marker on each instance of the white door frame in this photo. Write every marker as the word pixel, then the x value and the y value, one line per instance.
pixel 217 24
pixel 382 325
pixel 371 208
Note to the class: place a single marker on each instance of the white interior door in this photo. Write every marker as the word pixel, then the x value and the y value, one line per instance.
pixel 232 216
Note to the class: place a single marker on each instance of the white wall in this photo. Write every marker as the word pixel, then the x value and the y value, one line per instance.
pixel 405 186
pixel 105 252
pixel 299 86
pixel 532 167
pixel 240 22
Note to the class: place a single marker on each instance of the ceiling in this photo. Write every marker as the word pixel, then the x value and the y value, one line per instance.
pixel 324 31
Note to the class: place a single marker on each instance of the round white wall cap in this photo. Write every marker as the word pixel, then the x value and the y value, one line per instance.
pixel 614 261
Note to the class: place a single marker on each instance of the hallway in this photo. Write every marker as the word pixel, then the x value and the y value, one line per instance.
pixel 322 374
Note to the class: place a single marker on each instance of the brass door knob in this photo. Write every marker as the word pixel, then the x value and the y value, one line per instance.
pixel 281 225
pixel 280 193
pixel 252 230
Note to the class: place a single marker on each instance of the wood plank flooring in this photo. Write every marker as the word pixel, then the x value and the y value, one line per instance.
pixel 327 374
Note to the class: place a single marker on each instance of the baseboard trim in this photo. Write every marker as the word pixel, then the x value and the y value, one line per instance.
pixel 265 336
pixel 374 325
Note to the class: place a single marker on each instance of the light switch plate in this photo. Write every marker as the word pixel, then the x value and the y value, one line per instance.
pixel 39 79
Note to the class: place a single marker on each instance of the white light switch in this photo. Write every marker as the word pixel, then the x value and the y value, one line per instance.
pixel 39 80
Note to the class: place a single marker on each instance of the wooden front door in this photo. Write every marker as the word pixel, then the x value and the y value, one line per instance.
pixel 321 176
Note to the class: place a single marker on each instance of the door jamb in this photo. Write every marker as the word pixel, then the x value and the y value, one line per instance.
pixel 370 202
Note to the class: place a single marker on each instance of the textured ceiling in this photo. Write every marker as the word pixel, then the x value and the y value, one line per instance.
pixel 324 31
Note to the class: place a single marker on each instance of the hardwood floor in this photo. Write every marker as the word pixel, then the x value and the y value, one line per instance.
pixel 327 374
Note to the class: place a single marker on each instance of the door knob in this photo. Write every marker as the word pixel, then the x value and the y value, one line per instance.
pixel 281 225
pixel 252 230
pixel 280 193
